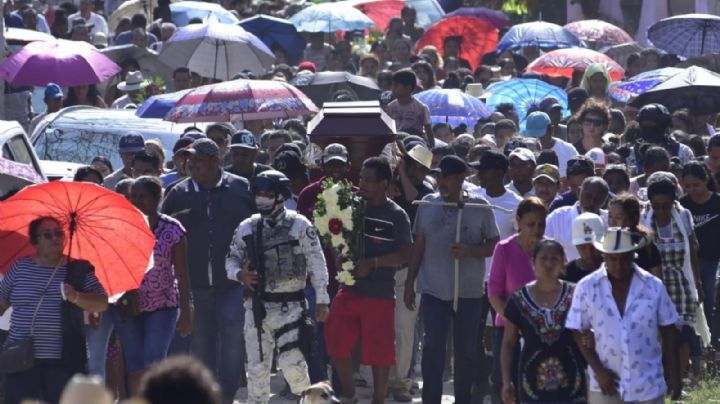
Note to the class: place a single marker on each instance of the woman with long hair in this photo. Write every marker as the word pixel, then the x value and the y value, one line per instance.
pixel 84 95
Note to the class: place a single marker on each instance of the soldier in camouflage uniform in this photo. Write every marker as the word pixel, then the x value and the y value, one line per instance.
pixel 289 247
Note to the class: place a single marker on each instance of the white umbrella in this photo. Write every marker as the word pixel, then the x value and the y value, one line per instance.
pixel 216 51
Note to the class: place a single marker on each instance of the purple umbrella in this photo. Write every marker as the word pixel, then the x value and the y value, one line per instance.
pixel 66 63
pixel 495 17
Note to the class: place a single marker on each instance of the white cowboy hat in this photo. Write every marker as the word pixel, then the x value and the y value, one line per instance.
pixel 422 155
pixel 619 240
pixel 133 81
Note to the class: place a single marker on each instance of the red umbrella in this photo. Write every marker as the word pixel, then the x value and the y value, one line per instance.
pixel 380 11
pixel 563 62
pixel 102 226
pixel 478 37
pixel 598 34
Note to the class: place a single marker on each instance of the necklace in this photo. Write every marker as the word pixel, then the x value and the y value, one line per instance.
pixel 545 299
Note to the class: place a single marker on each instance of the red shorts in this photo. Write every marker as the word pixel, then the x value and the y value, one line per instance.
pixel 354 316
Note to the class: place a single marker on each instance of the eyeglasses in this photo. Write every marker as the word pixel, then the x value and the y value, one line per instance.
pixel 49 235
pixel 594 122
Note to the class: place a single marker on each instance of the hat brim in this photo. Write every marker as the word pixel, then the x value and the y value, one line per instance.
pixel 583 240
pixel 546 176
pixel 328 159
pixel 242 146
pixel 422 163
pixel 124 86
pixel 535 132
pixel 131 149
pixel 599 246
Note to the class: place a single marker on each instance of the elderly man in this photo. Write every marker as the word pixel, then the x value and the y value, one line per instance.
pixel 633 321
pixel 133 84
pixel 593 195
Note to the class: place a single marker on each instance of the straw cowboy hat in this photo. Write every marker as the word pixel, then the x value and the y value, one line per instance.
pixel 619 240
pixel 133 81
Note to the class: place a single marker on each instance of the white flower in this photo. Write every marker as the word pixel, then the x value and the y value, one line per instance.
pixel 346 215
pixel 322 224
pixel 348 266
pixel 346 278
pixel 337 240
pixel 330 196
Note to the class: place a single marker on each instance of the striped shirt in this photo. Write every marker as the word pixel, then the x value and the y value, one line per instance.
pixel 22 287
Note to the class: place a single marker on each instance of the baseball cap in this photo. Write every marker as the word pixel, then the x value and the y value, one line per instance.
pixel 587 228
pixel 597 155
pixel 580 165
pixel 53 92
pixel 523 153
pixel 549 103
pixel 307 66
pixel 194 135
pixel 549 171
pixel 491 160
pixel 244 139
pixel 205 147
pixel 131 142
pixel 335 151
pixel 451 165
pixel 288 163
pixel 536 124
pixel 576 98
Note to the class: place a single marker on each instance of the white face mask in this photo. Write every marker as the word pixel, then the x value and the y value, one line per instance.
pixel 264 204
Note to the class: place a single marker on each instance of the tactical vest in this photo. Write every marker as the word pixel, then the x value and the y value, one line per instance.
pixel 282 257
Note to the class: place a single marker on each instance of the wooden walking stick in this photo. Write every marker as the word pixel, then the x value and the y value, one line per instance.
pixel 458 226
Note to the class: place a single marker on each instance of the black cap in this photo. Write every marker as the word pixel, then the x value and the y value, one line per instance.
pixel 491 160
pixel 244 139
pixel 451 165
pixel 288 163
pixel 580 165
pixel 576 98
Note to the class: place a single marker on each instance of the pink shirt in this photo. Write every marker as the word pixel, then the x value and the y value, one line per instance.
pixel 511 269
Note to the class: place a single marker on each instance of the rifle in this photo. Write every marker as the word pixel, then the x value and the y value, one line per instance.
pixel 255 253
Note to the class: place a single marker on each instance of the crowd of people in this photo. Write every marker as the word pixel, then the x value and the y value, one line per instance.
pixel 567 255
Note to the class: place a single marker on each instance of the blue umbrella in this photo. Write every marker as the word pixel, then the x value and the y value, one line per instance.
pixel 185 11
pixel 158 106
pixel 331 17
pixel 688 35
pixel 539 33
pixel 623 91
pixel 453 106
pixel 524 94
pixel 275 31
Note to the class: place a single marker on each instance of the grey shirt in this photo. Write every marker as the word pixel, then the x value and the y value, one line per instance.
pixel 438 225
pixel 387 230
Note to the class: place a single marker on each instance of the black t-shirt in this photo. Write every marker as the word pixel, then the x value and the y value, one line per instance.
pixel 579 147
pixel 423 190
pixel 574 272
pixel 387 230
pixel 707 225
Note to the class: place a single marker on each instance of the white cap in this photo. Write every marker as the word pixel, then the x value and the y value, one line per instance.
pixel 587 228
pixel 597 155
pixel 523 153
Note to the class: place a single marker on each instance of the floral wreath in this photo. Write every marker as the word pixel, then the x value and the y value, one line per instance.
pixel 338 217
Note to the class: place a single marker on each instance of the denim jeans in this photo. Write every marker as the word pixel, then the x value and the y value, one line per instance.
pixel 97 343
pixel 437 317
pixel 218 338
pixel 318 361
pixel 146 337
pixel 44 382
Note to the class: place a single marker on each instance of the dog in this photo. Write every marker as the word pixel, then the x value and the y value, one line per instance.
pixel 319 393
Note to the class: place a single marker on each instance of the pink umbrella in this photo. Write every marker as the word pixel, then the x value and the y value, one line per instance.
pixel 66 63
pixel 241 100
pixel 564 62
pixel 598 33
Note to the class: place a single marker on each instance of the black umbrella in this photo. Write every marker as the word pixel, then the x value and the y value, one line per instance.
pixel 695 88
pixel 324 86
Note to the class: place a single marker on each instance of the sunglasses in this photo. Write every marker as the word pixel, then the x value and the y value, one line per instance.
pixel 49 235
pixel 594 122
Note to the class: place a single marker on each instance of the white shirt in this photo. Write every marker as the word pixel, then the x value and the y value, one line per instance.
pixel 96 20
pixel 512 188
pixel 559 227
pixel 505 221
pixel 565 151
pixel 122 102
pixel 628 345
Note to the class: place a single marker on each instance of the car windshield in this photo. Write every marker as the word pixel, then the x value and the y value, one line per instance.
pixel 81 146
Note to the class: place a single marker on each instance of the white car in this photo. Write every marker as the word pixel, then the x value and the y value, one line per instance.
pixel 19 165
pixel 74 136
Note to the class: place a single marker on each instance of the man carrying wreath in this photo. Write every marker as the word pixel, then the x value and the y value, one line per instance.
pixel 365 310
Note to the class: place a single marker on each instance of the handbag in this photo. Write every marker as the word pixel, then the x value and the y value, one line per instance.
pixel 129 305
pixel 19 356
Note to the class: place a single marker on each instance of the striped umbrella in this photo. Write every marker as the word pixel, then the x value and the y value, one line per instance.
pixel 453 106
pixel 565 62
pixel 623 91
pixel 244 100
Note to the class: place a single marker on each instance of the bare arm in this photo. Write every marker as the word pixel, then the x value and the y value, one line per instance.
pixel 416 255
pixel 695 264
pixel 90 302
pixel 607 380
pixel 430 136
pixel 3 308
pixel 498 304
pixel 396 259
pixel 672 371
pixel 507 352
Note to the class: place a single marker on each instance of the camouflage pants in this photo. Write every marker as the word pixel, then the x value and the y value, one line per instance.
pixel 291 362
